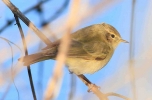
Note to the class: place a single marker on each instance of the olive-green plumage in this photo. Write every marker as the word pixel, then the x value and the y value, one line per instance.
pixel 91 49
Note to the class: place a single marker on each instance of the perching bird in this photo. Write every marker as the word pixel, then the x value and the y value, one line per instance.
pixel 90 49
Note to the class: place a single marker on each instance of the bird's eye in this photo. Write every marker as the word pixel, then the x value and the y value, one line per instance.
pixel 112 35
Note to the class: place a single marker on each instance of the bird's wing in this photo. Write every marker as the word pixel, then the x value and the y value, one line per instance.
pixel 93 50
pixel 97 49
pixel 76 50
pixel 51 50
pixel 87 50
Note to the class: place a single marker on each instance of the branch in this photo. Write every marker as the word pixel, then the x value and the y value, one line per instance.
pixel 95 90
pixel 62 54
pixel 132 51
pixel 117 95
pixel 57 72
pixel 72 87
pixel 26 53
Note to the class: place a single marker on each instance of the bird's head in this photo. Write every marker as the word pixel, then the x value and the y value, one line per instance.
pixel 112 35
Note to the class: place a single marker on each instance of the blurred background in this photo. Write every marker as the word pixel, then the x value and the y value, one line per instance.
pixel 128 73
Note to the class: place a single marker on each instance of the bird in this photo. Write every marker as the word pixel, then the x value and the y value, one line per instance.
pixel 90 49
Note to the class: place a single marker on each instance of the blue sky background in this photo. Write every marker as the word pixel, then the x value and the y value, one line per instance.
pixel 112 78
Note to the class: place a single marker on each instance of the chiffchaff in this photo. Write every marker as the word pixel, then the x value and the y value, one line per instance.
pixel 90 50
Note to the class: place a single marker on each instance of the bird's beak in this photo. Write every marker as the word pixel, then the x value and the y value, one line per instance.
pixel 122 40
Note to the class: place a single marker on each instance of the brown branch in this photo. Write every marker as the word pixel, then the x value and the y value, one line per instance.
pixel 26 53
pixel 97 92
pixel 117 95
pixel 93 88
pixel 62 54
pixel 17 12
pixel 57 73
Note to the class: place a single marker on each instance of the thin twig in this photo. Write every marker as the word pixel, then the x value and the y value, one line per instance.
pixel 12 72
pixel 117 95
pixel 26 53
pixel 61 56
pixel 57 73
pixel 8 87
pixel 40 72
pixel 11 43
pixel 72 87
pixel 40 79
pixel 93 88
pixel 131 52
pixel 17 12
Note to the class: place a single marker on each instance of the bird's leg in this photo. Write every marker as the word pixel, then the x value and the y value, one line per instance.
pixel 91 86
pixel 87 82
pixel 70 72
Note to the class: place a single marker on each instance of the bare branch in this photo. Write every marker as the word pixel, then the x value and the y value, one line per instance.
pixel 131 52
pixel 72 87
pixel 117 95
pixel 93 88
pixel 26 53
pixel 57 73
pixel 63 49
pixel 97 92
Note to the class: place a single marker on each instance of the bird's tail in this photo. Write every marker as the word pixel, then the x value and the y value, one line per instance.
pixel 33 58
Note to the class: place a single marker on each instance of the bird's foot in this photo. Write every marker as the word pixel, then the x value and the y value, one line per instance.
pixel 91 86
pixel 70 72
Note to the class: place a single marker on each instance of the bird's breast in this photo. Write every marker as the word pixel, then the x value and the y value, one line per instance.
pixel 83 66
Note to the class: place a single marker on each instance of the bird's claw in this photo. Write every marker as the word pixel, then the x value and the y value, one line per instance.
pixel 91 86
